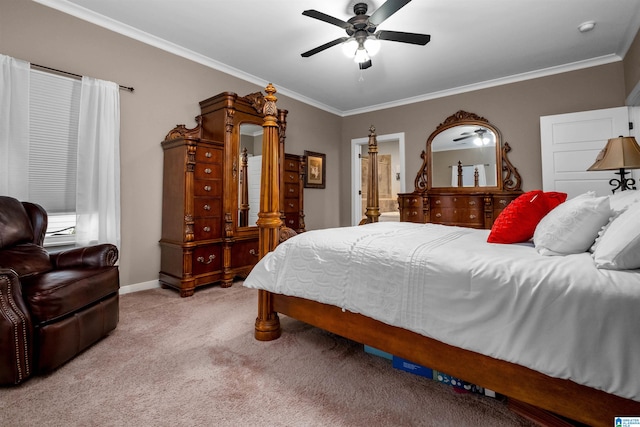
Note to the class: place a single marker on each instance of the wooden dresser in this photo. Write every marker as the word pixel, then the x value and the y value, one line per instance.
pixel 475 210
pixel 466 178
pixel 208 227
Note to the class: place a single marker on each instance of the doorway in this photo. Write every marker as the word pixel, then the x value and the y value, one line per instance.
pixel 391 167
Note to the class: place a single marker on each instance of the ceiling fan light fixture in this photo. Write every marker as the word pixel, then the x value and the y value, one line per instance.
pixel 361 55
pixel 349 47
pixel 372 46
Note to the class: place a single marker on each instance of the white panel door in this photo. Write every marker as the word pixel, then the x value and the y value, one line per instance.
pixel 570 145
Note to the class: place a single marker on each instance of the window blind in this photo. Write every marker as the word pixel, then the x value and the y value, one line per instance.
pixel 53 126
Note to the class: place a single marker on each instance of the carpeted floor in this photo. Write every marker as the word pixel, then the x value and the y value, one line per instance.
pixel 194 362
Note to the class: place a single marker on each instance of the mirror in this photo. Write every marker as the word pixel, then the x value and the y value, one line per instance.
pixel 250 162
pixel 463 153
pixel 464 156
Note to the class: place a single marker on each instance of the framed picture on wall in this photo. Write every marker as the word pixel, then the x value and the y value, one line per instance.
pixel 316 169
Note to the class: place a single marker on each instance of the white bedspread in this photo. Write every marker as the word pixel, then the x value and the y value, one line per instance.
pixel 557 315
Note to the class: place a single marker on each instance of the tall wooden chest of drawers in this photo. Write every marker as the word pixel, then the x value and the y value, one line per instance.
pixel 293 191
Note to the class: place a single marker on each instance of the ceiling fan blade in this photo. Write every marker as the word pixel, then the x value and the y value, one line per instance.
pixel 463 137
pixel 399 36
pixel 386 10
pixel 365 65
pixel 326 18
pixel 324 46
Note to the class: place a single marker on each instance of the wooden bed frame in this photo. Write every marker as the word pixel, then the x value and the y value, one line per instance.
pixel 522 386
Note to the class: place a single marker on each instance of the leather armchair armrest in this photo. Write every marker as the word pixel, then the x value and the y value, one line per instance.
pixel 16 331
pixel 39 221
pixel 102 255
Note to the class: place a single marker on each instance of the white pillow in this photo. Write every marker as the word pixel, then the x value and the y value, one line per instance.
pixel 619 246
pixel 622 199
pixel 572 226
pixel 615 214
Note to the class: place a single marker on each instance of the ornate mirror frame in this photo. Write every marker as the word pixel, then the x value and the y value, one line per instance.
pixel 507 176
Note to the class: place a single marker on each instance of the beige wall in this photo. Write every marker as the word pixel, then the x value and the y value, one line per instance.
pixel 167 91
pixel 632 66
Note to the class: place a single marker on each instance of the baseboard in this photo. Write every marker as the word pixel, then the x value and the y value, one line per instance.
pixel 136 287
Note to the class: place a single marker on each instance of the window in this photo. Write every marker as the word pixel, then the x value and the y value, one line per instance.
pixel 54 102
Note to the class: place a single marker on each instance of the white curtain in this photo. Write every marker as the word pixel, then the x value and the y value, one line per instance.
pixel 98 184
pixel 14 127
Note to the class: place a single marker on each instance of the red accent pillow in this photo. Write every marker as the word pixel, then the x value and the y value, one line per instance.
pixel 517 222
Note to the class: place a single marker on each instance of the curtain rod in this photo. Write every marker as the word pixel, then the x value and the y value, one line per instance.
pixel 129 88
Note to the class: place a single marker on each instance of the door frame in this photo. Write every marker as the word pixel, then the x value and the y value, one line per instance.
pixel 356 172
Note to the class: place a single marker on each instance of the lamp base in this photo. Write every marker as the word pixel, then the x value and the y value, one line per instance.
pixel 623 183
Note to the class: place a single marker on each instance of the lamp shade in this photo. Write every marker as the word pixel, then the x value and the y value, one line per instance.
pixel 619 153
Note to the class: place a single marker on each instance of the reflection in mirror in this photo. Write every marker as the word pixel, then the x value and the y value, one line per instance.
pixel 464 156
pixel 250 162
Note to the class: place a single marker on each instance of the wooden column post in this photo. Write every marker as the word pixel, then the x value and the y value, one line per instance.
pixel 267 325
pixel 373 205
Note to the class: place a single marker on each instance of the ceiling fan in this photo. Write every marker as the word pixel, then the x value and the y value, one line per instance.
pixel 361 31
pixel 479 137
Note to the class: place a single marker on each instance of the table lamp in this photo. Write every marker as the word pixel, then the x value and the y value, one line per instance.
pixel 620 153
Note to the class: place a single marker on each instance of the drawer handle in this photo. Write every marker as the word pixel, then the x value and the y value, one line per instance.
pixel 503 202
pixel 472 216
pixel 291 205
pixel 290 221
pixel 207 188
pixel 207 170
pixel 253 252
pixel 291 176
pixel 414 200
pixel 207 207
pixel 414 213
pixel 438 201
pixel 455 199
pixel 291 164
pixel 291 190
pixel 207 229
pixel 472 203
pixel 207 154
pixel 438 215
pixel 201 259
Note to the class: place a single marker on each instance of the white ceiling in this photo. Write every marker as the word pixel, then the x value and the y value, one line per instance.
pixel 474 43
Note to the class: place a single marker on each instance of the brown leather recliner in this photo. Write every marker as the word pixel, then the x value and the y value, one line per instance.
pixel 52 306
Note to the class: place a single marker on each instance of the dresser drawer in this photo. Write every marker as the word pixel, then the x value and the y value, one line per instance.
pixel 291 177
pixel 206 259
pixel 207 188
pixel 291 205
pixel 208 155
pixel 457 216
pixel 411 202
pixel 207 207
pixel 207 228
pixel 291 190
pixel 208 170
pixel 292 220
pixel 244 253
pixel 456 202
pixel 291 165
